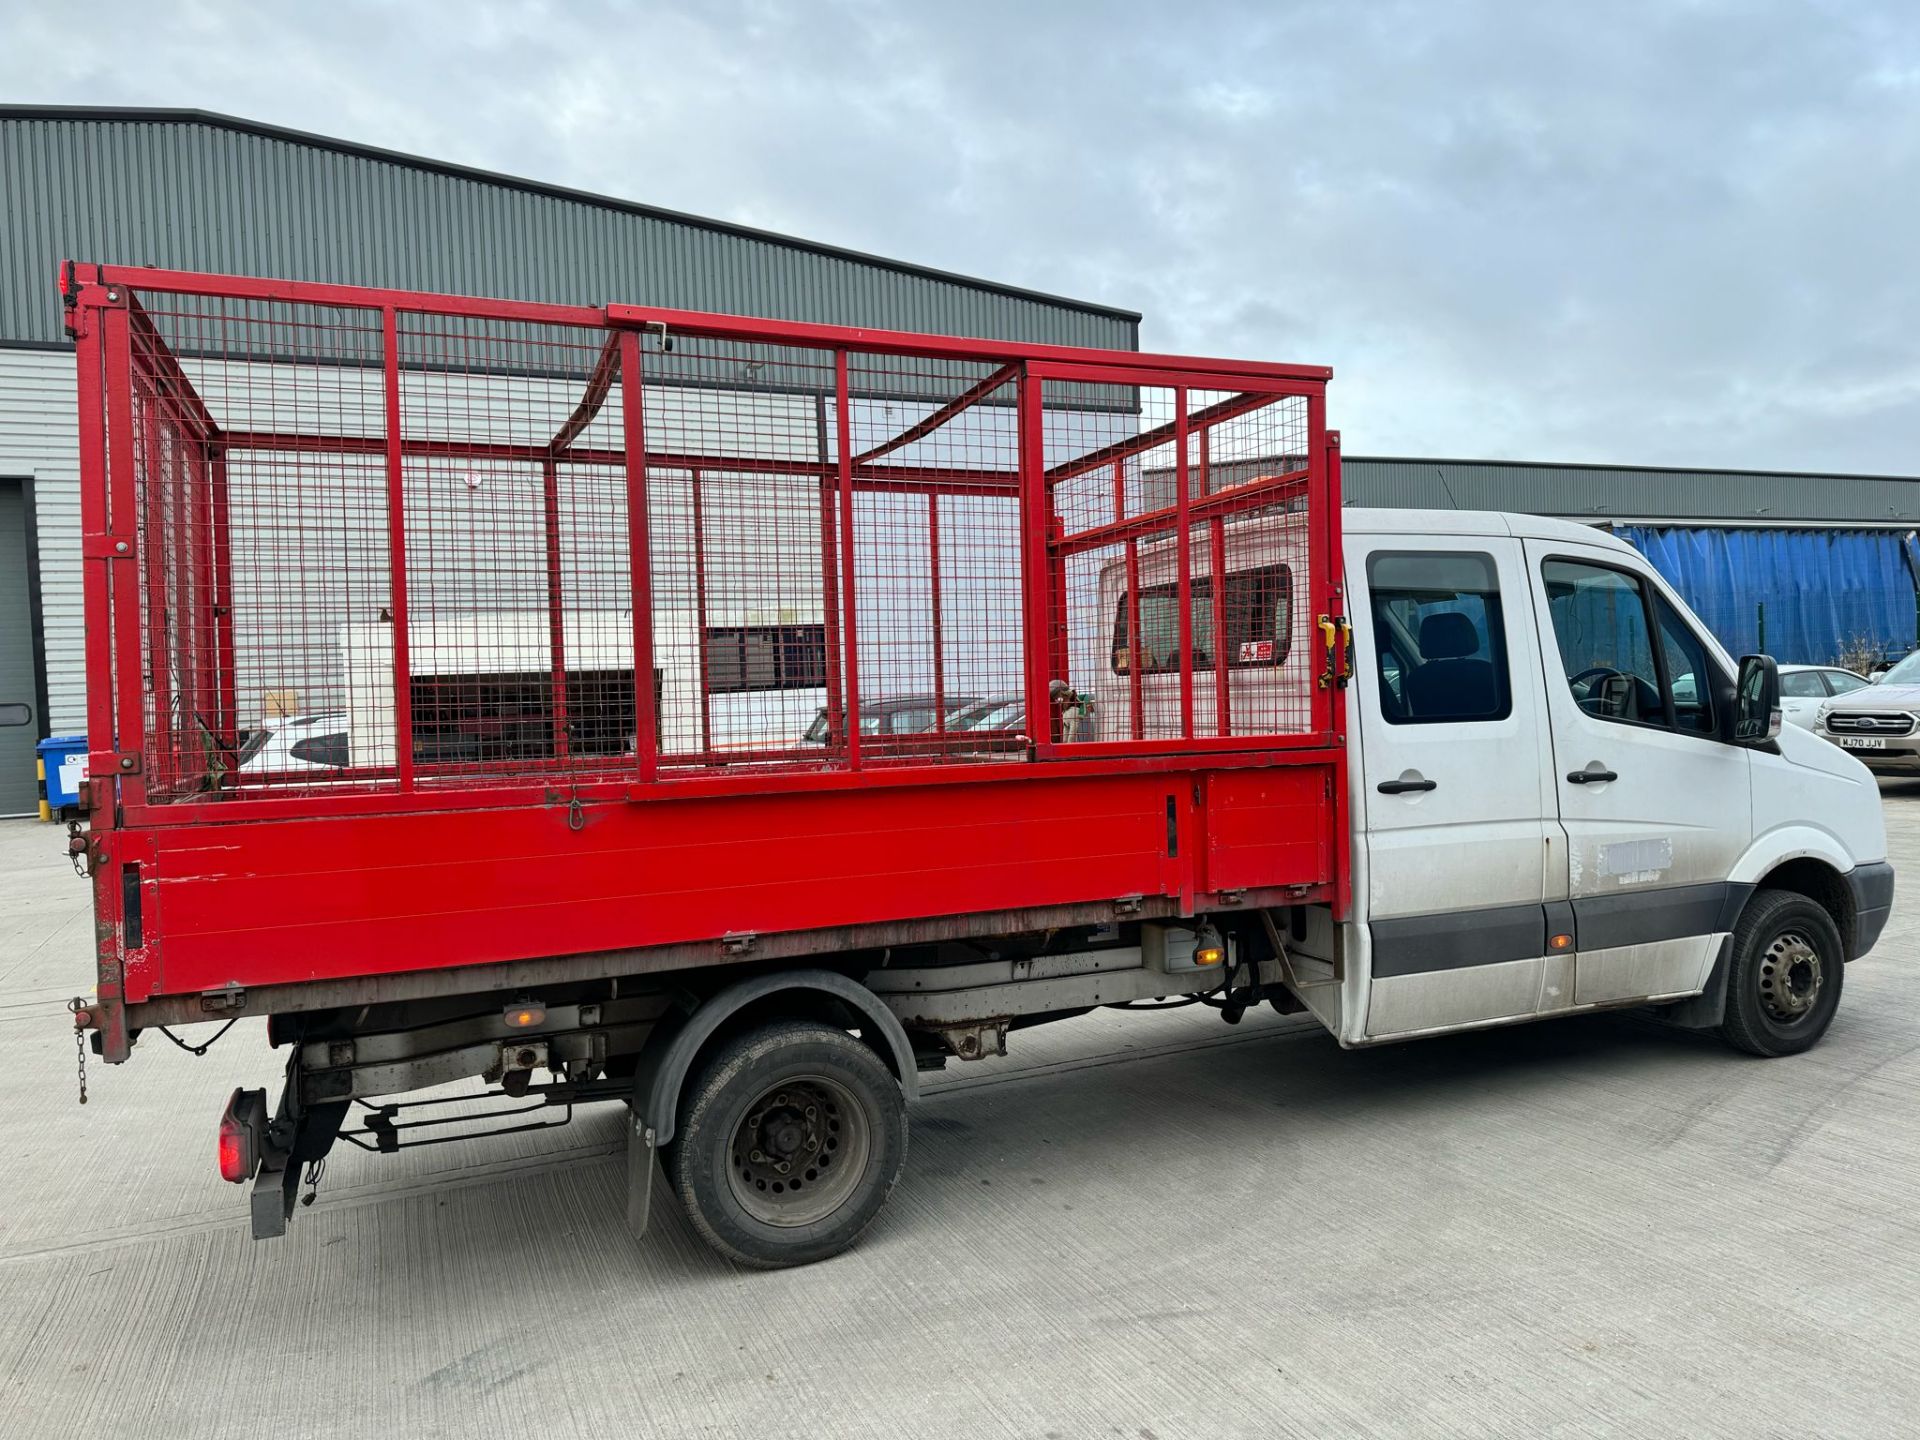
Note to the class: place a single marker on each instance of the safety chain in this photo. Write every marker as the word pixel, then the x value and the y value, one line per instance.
pixel 80 1046
pixel 77 849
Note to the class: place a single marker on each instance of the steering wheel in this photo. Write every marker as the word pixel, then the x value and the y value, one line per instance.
pixel 1590 675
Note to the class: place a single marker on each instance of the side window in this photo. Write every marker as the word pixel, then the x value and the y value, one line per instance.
pixel 912 721
pixel 1439 637
pixel 322 750
pixel 1689 679
pixel 1612 655
pixel 1802 685
pixel 1259 622
pixel 1606 645
pixel 766 657
pixel 1840 682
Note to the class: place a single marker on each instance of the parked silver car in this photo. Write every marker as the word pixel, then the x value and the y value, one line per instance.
pixel 1878 723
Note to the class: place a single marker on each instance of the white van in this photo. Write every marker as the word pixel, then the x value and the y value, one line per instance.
pixel 1551 810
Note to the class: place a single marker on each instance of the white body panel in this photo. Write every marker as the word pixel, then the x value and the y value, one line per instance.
pixel 1688 817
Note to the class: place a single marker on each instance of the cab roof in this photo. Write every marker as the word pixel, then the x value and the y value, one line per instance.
pixel 1361 520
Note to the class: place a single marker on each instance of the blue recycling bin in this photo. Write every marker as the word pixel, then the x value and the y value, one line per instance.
pixel 63 761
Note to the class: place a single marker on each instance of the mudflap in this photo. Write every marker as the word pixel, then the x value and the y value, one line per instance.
pixel 643 1163
pixel 1707 1009
pixel 297 1136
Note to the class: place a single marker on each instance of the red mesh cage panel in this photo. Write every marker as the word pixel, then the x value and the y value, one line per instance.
pixel 394 545
pixel 252 558
pixel 1184 560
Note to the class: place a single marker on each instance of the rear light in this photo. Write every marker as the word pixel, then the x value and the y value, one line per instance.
pixel 243 1127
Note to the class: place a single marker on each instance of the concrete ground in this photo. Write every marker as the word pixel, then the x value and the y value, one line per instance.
pixel 1142 1226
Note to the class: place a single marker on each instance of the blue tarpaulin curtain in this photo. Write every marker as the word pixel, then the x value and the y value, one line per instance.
pixel 1826 593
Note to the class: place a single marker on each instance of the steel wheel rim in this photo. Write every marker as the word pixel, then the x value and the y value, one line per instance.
pixel 797 1152
pixel 1791 977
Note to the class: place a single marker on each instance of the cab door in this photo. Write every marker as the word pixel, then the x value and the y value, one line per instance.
pixel 1655 806
pixel 1461 859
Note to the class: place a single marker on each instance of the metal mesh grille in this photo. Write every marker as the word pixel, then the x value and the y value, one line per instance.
pixel 394 549
pixel 1198 629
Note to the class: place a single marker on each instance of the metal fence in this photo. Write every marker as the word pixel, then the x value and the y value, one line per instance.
pixel 373 543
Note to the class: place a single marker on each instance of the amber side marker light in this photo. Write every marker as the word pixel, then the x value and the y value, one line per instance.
pixel 1209 955
pixel 1560 942
pixel 526 1016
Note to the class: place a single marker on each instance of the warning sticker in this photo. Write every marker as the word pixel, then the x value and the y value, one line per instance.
pixel 1252 652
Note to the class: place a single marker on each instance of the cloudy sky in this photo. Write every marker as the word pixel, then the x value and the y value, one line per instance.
pixel 1682 233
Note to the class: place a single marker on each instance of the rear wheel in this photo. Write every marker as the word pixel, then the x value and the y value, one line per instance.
pixel 1788 964
pixel 790 1139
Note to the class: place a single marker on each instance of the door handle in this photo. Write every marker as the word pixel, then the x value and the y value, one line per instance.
pixel 1590 777
pixel 1402 787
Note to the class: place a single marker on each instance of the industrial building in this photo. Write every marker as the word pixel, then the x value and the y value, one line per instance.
pixel 1808 566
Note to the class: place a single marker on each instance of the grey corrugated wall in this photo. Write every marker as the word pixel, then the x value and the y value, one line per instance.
pixel 39 443
pixel 197 192
pixel 1624 492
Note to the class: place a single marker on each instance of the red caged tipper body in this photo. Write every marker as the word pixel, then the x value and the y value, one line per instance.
pixel 939 641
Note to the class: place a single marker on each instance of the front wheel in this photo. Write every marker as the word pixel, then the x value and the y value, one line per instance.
pixel 790 1139
pixel 1787 966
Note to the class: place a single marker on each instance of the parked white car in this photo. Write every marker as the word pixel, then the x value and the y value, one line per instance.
pixel 1804 689
pixel 297 743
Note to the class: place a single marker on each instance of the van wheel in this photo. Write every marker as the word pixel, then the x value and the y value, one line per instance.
pixel 790 1139
pixel 1788 965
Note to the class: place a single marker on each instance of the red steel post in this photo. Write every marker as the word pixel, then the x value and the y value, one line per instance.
pixel 829 575
pixel 180 598
pixel 1183 504
pixel 221 600
pixel 1222 700
pixel 205 647
pixel 1036 628
pixel 160 756
pixel 843 440
pixel 939 647
pixel 700 614
pixel 107 573
pixel 129 737
pixel 397 551
pixel 1137 705
pixel 639 554
pixel 556 606
pixel 1222 662
pixel 97 569
pixel 1336 569
pixel 1326 707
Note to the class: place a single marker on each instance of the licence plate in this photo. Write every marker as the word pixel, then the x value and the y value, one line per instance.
pixel 1863 742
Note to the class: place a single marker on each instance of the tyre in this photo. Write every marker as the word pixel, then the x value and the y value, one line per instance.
pixel 1787 968
pixel 790 1138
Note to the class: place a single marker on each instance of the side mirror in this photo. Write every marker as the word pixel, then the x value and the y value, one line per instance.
pixel 1756 705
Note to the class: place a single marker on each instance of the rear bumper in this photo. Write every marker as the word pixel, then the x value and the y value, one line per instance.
pixel 1872 887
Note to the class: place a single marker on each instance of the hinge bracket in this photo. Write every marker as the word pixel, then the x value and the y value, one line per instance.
pixel 228 1001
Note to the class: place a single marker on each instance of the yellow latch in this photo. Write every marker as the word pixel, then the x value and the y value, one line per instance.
pixel 1336 643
